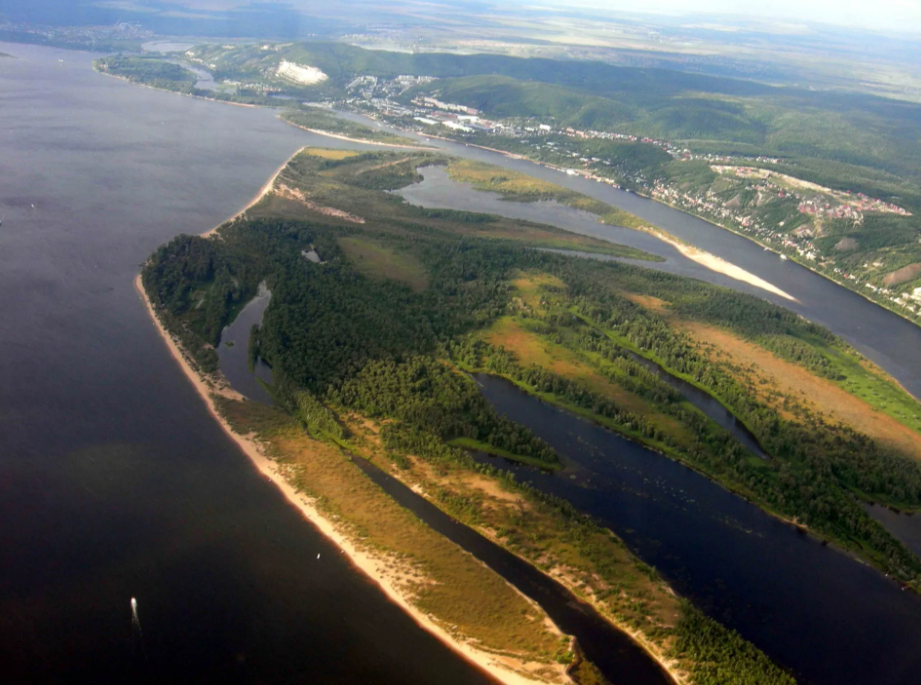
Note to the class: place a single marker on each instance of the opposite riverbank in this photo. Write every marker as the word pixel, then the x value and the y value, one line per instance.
pixel 791 257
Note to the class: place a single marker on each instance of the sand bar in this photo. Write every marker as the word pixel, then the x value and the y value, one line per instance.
pixel 718 264
pixel 364 141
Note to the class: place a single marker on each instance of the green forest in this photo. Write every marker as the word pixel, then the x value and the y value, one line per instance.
pixel 150 71
pixel 403 304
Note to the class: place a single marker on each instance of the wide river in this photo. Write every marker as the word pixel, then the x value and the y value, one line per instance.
pixel 115 482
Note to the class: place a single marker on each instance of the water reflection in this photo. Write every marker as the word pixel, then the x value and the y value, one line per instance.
pixel 906 527
pixel 234 350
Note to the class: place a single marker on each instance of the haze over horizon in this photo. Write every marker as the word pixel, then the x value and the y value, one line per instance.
pixel 903 16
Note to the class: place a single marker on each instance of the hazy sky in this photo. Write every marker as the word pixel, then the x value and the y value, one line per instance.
pixel 901 15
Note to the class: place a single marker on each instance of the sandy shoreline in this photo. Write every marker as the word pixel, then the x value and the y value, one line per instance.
pixel 718 264
pixel 374 567
pixel 364 141
pixel 266 189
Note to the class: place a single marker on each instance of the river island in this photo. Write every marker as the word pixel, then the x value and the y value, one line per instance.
pixel 371 344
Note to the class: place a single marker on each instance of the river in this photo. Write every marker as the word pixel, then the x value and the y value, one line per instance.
pixel 233 352
pixel 882 336
pixel 829 618
pixel 115 482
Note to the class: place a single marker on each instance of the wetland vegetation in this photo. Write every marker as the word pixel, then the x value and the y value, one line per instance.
pixel 836 164
pixel 369 350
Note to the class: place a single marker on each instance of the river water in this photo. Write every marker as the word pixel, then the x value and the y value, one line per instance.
pixel 114 480
pixel 829 618
pixel 889 340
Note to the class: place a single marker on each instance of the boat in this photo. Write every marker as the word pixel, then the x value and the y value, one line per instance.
pixel 783 257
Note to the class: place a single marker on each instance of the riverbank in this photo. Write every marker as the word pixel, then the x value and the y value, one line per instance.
pixel 265 190
pixel 377 567
pixel 793 258
pixel 169 90
pixel 364 141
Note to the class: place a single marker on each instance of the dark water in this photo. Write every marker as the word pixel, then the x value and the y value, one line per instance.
pixel 234 350
pixel 114 480
pixel 706 403
pixel 615 654
pixel 906 527
pixel 815 610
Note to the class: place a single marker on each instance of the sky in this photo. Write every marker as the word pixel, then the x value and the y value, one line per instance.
pixel 885 15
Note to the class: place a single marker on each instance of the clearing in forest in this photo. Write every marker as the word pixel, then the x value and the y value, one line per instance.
pixel 327 153
pixel 376 260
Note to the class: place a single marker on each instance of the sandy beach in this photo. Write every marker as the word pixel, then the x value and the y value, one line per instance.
pixel 718 264
pixel 373 566
pixel 266 189
pixel 338 136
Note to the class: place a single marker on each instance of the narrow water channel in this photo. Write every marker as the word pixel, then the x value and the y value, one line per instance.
pixel 615 653
pixel 817 611
pixel 706 403
pixel 618 657
pixel 233 350
pixel 906 527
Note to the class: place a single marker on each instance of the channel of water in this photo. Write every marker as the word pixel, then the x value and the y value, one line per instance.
pixel 233 352
pixel 618 657
pixel 816 610
pixel 116 482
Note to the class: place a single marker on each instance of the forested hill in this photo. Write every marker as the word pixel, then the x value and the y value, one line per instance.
pixel 714 113
pixel 343 62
